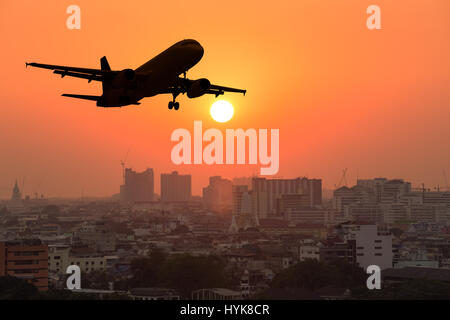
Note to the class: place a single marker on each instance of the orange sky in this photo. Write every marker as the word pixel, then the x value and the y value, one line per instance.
pixel 377 102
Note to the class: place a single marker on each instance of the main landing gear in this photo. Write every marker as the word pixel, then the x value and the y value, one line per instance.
pixel 180 88
pixel 174 105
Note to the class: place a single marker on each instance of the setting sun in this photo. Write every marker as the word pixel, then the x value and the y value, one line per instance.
pixel 222 111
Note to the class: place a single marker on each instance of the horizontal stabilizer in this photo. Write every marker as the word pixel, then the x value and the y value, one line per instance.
pixel 81 96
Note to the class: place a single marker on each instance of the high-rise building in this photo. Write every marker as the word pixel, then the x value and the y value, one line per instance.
pixel 345 196
pixel 265 193
pixel 243 217
pixel 435 197
pixel 243 181
pixel 175 187
pixel 138 187
pixel 316 216
pixel 218 194
pixel 367 212
pixel 25 259
pixel 384 190
pixel 381 200
pixel 292 202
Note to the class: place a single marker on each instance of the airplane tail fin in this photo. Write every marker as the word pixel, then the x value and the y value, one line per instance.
pixel 104 64
pixel 106 81
pixel 81 96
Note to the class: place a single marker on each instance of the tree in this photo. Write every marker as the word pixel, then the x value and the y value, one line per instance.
pixel 186 273
pixel 12 288
pixel 347 275
pixel 417 289
pixel 309 274
pixel 313 275
pixel 97 280
pixel 146 271
pixel 183 273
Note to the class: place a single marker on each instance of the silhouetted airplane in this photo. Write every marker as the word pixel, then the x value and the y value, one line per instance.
pixel 159 75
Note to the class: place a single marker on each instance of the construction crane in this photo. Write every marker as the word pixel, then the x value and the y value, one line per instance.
pixel 343 179
pixel 445 180
pixel 38 187
pixel 122 163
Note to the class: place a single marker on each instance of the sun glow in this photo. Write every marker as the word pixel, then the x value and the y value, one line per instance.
pixel 222 111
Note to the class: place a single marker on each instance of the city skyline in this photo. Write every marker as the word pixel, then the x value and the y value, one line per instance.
pixel 327 189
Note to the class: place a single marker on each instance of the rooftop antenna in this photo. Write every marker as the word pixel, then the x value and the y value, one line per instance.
pixel 122 163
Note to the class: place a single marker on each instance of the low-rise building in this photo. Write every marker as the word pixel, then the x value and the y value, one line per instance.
pixel 62 256
pixel 216 294
pixel 153 294
pixel 25 259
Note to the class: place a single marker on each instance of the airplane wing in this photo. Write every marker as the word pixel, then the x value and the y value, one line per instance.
pixel 81 96
pixel 213 89
pixel 84 73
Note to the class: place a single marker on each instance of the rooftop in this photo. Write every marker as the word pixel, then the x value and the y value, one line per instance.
pixel 407 273
pixel 152 292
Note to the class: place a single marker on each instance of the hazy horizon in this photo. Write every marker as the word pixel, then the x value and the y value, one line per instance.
pixel 351 181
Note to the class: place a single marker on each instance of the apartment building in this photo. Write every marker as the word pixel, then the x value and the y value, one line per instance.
pixel 25 259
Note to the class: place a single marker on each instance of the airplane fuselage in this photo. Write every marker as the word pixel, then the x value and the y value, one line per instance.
pixel 156 75
pixel 170 63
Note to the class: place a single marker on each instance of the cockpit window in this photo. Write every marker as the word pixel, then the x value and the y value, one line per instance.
pixel 188 42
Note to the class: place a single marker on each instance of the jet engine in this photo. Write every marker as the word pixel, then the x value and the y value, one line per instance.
pixel 198 88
